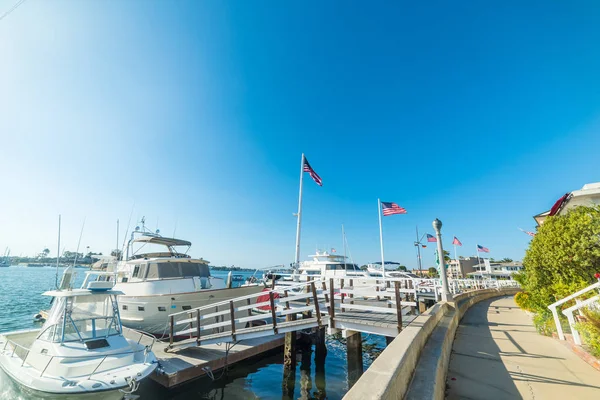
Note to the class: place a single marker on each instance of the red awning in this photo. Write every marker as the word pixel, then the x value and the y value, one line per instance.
pixel 559 204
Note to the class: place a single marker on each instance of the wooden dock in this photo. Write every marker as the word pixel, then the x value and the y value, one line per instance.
pixel 195 362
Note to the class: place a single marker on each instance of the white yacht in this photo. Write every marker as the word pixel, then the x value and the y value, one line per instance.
pixel 80 350
pixel 328 265
pixel 157 284
pixel 391 270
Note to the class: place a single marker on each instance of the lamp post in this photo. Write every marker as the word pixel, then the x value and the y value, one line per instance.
pixel 437 227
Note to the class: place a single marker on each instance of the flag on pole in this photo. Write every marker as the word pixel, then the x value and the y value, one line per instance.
pixel 527 232
pixel 431 238
pixel 392 208
pixel 333 250
pixel 456 242
pixel 482 249
pixel 312 173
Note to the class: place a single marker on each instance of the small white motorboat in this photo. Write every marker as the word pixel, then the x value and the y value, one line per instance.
pixel 81 349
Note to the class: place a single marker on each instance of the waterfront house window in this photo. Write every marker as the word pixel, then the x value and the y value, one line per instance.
pixel 186 308
pixel 162 309
pixel 140 308
pixel 124 307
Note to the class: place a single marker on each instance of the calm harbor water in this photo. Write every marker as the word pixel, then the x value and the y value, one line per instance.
pixel 21 298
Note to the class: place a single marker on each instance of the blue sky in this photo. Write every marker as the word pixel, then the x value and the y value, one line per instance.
pixel 195 113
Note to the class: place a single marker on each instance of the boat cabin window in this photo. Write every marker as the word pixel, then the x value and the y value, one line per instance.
pixel 87 317
pixel 165 270
pixel 348 267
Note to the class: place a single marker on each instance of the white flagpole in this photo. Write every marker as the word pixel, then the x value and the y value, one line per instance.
pixel 456 259
pixel 478 259
pixel 299 215
pixel 381 238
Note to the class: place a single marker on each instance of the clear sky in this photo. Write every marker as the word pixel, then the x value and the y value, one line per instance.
pixel 195 113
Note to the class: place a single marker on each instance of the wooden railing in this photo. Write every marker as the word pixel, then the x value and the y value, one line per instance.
pixel 251 315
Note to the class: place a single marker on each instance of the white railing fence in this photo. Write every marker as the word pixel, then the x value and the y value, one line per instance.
pixel 569 311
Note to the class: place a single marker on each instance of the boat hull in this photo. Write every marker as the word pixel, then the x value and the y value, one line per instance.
pixel 73 375
pixel 151 313
pixel 11 388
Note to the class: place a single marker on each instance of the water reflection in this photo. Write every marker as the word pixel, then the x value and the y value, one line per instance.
pixel 318 375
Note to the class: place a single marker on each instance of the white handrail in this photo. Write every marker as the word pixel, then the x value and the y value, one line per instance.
pixel 569 313
pixel 553 306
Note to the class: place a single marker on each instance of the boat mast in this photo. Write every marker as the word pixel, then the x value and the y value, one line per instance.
pixel 117 248
pixel 344 244
pixel 57 254
pixel 79 242
pixel 418 244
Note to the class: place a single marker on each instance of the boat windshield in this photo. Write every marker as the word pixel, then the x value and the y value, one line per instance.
pixel 348 267
pixel 79 318
pixel 170 269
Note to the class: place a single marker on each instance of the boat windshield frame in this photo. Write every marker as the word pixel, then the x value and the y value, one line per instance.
pixel 146 237
pixel 56 331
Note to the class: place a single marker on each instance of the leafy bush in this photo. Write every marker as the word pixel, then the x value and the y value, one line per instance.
pixel 590 330
pixel 561 259
pixel 544 323
pixel 522 300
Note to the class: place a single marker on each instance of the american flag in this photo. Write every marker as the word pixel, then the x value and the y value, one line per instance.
pixel 456 242
pixel 312 173
pixel 527 232
pixel 392 208
pixel 431 238
pixel 482 249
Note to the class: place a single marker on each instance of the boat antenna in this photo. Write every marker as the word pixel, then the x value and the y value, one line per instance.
pixel 79 242
pixel 57 255
pixel 117 247
pixel 127 231
pixel 344 244
pixel 347 248
pixel 175 228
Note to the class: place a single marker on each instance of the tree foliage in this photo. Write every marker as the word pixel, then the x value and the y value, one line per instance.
pixel 562 258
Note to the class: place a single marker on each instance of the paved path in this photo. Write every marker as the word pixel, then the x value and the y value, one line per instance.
pixel 497 354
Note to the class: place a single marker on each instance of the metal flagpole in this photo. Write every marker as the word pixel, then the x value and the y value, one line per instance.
pixel 381 238
pixel 418 244
pixel 456 258
pixel 478 259
pixel 299 215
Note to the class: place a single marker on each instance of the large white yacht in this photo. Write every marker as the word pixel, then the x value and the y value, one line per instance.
pixel 156 284
pixel 80 350
pixel 327 265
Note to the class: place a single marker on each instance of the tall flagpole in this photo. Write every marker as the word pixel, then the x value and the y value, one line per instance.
pixel 418 244
pixel 381 238
pixel 299 215
pixel 478 260
pixel 456 258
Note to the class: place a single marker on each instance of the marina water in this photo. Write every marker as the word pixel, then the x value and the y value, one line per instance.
pixel 259 378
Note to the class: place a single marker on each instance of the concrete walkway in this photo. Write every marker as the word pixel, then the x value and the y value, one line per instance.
pixel 497 354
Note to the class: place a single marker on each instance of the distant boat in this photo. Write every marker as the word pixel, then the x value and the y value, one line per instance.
pixel 5 261
pixel 37 265
pixel 83 266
